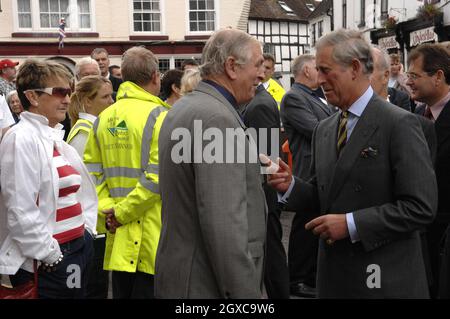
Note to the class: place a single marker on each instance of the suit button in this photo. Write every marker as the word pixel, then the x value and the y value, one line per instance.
pixel 131 262
pixel 138 221
pixel 358 188
pixel 135 242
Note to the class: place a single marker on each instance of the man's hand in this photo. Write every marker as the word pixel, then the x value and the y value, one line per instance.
pixel 281 180
pixel 330 227
pixel 111 222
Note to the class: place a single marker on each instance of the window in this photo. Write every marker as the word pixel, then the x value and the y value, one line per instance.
pixel 269 48
pixel 146 16
pixel 164 65
pixel 201 15
pixel 51 11
pixel 344 14
pixel 319 29
pixel 179 61
pixel 362 20
pixel 24 11
pixel 285 6
pixel 84 11
pixel 313 35
pixel 46 14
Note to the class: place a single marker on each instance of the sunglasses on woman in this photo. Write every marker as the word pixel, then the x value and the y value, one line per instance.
pixel 56 91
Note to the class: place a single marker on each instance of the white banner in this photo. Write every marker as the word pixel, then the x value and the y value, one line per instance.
pixel 388 43
pixel 422 36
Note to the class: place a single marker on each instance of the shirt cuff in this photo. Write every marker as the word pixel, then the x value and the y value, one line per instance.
pixel 354 237
pixel 284 198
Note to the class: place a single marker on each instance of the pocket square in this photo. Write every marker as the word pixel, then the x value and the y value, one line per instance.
pixel 369 152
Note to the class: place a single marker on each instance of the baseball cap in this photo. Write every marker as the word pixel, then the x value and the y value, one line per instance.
pixel 7 63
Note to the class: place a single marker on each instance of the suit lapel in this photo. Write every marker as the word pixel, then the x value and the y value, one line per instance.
pixel 364 129
pixel 442 125
pixel 325 143
pixel 325 108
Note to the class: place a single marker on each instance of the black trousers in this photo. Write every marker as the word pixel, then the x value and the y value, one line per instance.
pixel 435 244
pixel 302 252
pixel 69 280
pixel 276 272
pixel 444 278
pixel 132 285
pixel 98 282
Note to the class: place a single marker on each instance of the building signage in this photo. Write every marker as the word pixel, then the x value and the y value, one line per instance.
pixel 422 36
pixel 388 43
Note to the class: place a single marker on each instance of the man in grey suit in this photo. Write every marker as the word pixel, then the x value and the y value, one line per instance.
pixel 373 183
pixel 301 111
pixel 213 211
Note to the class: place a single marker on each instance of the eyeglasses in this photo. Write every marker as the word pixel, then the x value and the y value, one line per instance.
pixel 414 76
pixel 56 91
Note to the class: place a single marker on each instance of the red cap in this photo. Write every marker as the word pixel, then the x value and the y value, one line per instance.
pixel 7 63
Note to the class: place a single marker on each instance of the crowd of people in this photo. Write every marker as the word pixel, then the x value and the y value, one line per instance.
pixel 102 173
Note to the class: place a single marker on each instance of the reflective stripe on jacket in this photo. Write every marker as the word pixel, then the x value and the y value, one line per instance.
pixel 80 125
pixel 122 157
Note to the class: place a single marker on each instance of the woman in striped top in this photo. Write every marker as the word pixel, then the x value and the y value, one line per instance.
pixel 48 199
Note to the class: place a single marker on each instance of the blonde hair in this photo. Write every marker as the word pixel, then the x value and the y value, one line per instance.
pixel 189 81
pixel 86 89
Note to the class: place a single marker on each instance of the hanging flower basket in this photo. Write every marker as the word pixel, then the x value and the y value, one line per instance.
pixel 390 23
pixel 427 11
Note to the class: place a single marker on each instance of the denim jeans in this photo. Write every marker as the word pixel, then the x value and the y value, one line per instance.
pixel 69 280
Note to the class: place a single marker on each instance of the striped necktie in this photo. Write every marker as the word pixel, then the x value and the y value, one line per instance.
pixel 342 132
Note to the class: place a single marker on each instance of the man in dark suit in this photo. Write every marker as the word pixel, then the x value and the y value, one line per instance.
pixel 102 57
pixel 429 79
pixel 301 111
pixel 373 183
pixel 262 113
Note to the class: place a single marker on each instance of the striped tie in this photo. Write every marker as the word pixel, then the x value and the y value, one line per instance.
pixel 342 133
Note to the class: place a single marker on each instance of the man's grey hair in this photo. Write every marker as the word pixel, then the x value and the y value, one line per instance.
pixel 139 65
pixel 299 63
pixel 223 44
pixel 383 62
pixel 348 45
pixel 84 61
pixel 10 95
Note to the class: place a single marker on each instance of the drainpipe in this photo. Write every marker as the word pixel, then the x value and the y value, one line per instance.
pixel 330 13
pixel 375 13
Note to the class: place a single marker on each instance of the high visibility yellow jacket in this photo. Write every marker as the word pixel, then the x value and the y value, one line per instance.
pixel 276 91
pixel 122 156
pixel 81 125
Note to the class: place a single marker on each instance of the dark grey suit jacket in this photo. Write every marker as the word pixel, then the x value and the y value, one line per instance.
pixel 385 177
pixel 213 215
pixel 300 113
pixel 400 99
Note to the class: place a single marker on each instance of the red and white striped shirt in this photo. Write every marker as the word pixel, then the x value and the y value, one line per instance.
pixel 69 214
